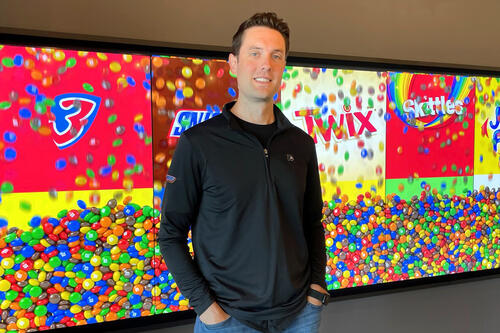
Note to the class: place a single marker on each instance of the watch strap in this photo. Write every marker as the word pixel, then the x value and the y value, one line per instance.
pixel 323 298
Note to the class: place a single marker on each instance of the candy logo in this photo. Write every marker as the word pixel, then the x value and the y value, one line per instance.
pixel 434 106
pixel 345 126
pixel 185 119
pixel 427 112
pixel 74 114
pixel 495 140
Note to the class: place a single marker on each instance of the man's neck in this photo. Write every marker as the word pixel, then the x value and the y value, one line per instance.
pixel 256 113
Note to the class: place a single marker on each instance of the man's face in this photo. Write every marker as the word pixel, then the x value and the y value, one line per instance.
pixel 260 64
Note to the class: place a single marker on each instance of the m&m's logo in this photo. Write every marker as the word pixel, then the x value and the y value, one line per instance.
pixel 73 113
pixel 185 119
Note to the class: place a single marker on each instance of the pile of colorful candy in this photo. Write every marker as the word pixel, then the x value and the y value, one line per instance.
pixel 85 266
pixel 371 241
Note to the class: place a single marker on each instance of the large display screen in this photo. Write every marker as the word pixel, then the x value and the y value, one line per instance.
pixel 409 168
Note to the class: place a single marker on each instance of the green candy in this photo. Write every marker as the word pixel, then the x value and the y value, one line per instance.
pixel 62 213
pixel 80 275
pixel 8 62
pixel 75 297
pixel 10 237
pixel 206 69
pixel 112 118
pixel 124 258
pixel 106 261
pixel 19 259
pixel 40 310
pixel 111 160
pixel 72 282
pixel 331 204
pixel 352 247
pixel 117 142
pixel 88 87
pixel 91 235
pixel 38 233
pixel 90 173
pixel 25 303
pixel 6 187
pixel 11 295
pixel 105 211
pixel 347 101
pixel 55 262
pixel 94 219
pixel 5 105
pixel 86 255
pixel 71 62
pixel 36 291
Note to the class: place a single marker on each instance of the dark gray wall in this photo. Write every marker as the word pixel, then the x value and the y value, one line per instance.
pixel 444 31
pixel 468 307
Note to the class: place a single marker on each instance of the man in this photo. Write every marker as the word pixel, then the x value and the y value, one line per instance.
pixel 247 184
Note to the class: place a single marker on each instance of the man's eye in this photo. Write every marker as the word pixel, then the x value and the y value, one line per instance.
pixel 277 56
pixel 253 54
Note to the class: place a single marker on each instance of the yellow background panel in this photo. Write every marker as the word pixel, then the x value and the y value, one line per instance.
pixel 349 188
pixel 487 100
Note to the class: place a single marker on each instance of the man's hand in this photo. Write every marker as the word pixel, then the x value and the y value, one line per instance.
pixel 213 315
pixel 313 300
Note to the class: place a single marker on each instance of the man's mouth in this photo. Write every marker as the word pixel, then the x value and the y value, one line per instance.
pixel 262 79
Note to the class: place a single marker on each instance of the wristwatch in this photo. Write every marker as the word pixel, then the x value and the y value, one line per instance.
pixel 324 298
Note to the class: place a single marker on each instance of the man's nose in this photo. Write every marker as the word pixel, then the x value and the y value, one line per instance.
pixel 266 63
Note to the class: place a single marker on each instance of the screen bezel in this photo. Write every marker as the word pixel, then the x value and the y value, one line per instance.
pixel 18 37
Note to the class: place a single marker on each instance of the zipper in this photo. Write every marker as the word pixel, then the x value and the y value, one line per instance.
pixel 266 153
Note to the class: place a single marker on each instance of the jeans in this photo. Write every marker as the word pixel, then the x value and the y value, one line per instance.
pixel 307 321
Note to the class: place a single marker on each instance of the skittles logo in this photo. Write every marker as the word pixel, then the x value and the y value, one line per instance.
pixel 428 101
pixel 74 114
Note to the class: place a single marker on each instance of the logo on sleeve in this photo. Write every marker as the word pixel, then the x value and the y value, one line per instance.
pixel 171 179
pixel 74 113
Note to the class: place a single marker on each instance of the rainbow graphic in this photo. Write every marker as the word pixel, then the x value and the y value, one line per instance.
pixel 401 85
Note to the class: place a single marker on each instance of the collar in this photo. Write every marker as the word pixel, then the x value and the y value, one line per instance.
pixel 282 122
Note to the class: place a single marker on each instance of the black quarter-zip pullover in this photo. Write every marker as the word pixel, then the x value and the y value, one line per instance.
pixel 255 215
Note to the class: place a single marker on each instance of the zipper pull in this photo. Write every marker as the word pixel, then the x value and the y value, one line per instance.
pixel 266 153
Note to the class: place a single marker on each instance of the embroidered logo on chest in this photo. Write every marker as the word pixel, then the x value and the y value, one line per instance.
pixel 290 158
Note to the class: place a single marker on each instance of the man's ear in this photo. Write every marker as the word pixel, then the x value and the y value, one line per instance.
pixel 233 62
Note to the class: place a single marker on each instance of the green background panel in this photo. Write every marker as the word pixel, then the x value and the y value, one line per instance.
pixel 406 188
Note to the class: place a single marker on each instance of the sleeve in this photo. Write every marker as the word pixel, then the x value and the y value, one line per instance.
pixel 314 231
pixel 179 211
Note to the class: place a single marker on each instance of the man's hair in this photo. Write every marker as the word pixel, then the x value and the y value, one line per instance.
pixel 270 20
